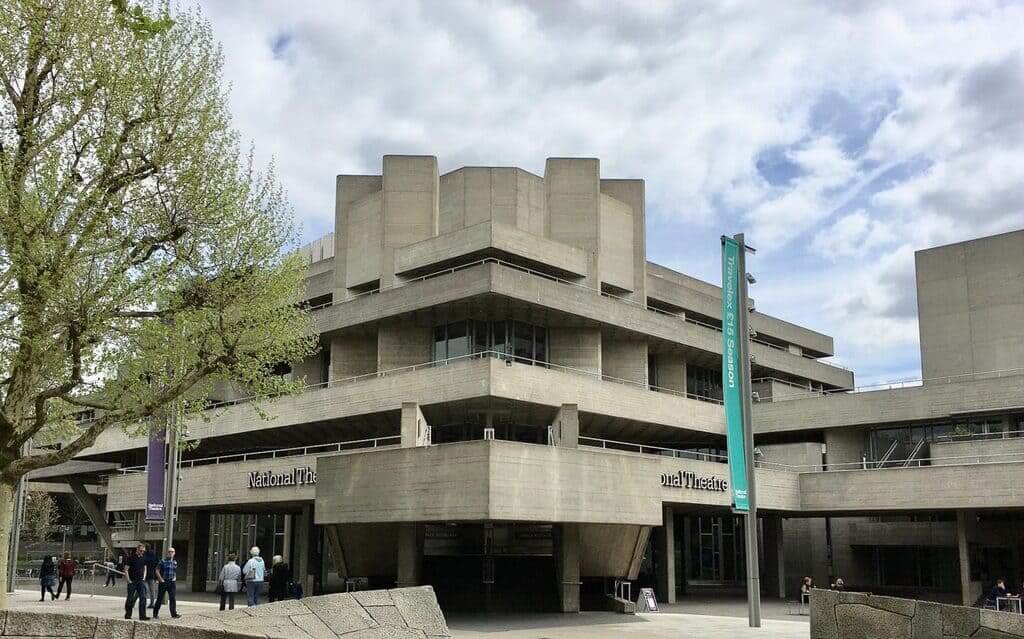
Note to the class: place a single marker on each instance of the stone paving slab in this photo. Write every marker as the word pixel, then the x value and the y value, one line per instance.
pixel 404 613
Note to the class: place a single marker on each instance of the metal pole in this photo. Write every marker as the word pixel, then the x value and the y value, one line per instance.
pixel 173 455
pixel 750 527
pixel 19 513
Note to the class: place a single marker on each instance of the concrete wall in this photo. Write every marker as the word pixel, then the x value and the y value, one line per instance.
pixel 977 451
pixel 633 194
pixel 410 206
pixel 578 348
pixel 572 195
pixel 670 369
pixel 353 355
pixel 616 243
pixel 350 189
pixel 852 615
pixel 400 345
pixel 971 306
pixel 929 402
pixel 624 359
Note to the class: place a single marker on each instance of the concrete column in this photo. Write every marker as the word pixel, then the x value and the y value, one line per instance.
pixel 199 549
pixel 304 563
pixel 572 192
pixel 415 430
pixel 774 556
pixel 665 555
pixel 566 426
pixel 410 554
pixel 93 512
pixel 964 521
pixel 567 566
pixel 632 193
pixel 411 191
pixel 352 355
pixel 368 229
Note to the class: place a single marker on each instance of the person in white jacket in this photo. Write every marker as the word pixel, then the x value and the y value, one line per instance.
pixel 230 576
pixel 254 571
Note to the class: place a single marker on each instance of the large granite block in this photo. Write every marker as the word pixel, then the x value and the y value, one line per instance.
pixel 861 621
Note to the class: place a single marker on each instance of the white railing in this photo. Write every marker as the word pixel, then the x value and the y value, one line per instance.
pixel 999 434
pixel 295 451
pixel 611 444
pixel 554 278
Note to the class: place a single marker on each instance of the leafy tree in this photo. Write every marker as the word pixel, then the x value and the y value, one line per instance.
pixel 40 515
pixel 143 258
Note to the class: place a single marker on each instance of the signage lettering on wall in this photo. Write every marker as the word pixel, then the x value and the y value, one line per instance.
pixel 693 481
pixel 303 476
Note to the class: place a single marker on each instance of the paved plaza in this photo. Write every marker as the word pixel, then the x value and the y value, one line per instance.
pixel 587 625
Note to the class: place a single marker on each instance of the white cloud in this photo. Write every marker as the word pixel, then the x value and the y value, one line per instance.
pixel 894 126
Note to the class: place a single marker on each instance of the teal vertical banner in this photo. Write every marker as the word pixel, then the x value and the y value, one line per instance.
pixel 731 371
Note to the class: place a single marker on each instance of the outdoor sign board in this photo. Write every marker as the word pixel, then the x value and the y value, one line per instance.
pixel 646 602
pixel 156 455
pixel 732 369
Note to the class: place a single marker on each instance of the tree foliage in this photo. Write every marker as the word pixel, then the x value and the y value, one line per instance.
pixel 40 516
pixel 143 257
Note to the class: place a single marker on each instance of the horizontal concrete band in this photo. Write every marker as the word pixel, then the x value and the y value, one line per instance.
pixel 511 481
pixel 455 381
pixel 934 400
pixel 497 279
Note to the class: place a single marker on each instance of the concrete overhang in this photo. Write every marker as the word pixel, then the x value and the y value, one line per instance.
pixel 491 239
pixel 576 301
pixel 75 467
pixel 511 481
pixel 930 402
pixel 928 488
pixel 457 380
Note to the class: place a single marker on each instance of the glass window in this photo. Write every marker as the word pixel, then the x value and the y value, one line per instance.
pixel 541 339
pixel 523 341
pixel 480 330
pixel 440 345
pixel 458 340
pixel 499 341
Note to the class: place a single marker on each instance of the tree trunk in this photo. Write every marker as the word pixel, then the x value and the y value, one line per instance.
pixel 7 492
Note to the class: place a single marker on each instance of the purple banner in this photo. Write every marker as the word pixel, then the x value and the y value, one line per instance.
pixel 155 457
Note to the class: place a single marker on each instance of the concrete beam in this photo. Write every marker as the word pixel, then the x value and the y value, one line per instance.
pixel 566 426
pixel 336 551
pixel 567 568
pixel 415 429
pixel 410 554
pixel 93 511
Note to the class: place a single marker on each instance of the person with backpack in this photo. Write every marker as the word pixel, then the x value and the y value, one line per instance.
pixel 254 571
pixel 66 568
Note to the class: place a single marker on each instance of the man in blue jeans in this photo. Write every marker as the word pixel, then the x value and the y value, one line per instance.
pixel 166 575
pixel 254 571
pixel 136 567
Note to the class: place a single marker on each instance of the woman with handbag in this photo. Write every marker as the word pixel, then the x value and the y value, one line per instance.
pixel 47 578
pixel 228 582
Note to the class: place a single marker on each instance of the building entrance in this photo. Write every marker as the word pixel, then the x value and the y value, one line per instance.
pixel 237 533
pixel 506 567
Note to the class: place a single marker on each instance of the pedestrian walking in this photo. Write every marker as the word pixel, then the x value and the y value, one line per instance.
pixel 47 578
pixel 230 576
pixel 280 580
pixel 151 561
pixel 254 571
pixel 136 565
pixel 166 576
pixel 66 568
pixel 111 575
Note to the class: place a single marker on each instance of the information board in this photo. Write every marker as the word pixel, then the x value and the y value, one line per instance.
pixel 646 602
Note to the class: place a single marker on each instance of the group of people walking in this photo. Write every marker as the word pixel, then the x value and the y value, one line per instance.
pixel 151 579
pixel 252 576
pixel 50 571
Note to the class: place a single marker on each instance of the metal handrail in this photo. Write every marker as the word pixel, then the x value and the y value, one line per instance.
pixel 560 280
pixel 595 442
pixel 917 449
pixel 885 458
pixel 294 451
pixel 1002 434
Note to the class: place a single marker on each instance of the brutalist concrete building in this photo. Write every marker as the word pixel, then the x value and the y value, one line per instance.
pixel 513 405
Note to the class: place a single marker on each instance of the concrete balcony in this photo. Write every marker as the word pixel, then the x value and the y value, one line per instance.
pixel 438 383
pixel 935 399
pixel 573 300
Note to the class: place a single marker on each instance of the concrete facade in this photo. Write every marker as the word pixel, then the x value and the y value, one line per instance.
pixel 512 404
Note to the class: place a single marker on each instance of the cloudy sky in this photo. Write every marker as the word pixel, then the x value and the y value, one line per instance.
pixel 839 136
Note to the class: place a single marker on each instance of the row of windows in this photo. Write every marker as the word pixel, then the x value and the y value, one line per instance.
pixel 525 342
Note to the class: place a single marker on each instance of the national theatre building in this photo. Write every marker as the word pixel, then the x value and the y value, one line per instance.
pixel 511 404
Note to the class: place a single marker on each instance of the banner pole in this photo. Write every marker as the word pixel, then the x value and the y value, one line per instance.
pixel 750 527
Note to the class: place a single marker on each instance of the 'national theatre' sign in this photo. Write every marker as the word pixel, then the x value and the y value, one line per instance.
pixel 303 476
